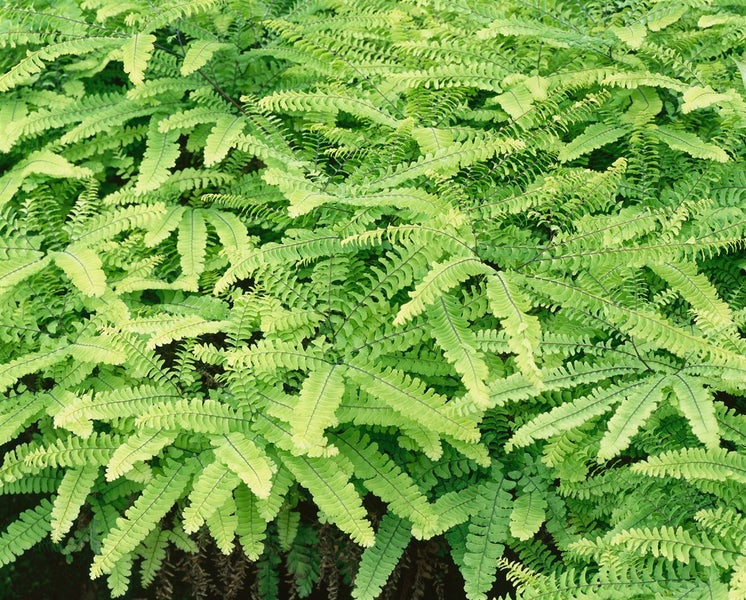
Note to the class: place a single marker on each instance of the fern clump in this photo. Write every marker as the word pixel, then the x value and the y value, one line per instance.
pixel 480 261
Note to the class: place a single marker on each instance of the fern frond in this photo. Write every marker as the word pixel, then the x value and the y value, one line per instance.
pixel 136 53
pixel 142 517
pixel 410 398
pixel 333 493
pixel 690 144
pixel 716 464
pixel 248 461
pixel 441 278
pixel 209 490
pixel 488 532
pixel 634 409
pixel 29 529
pixel 378 561
pixel 222 524
pixel 314 410
pixel 140 446
pixel 84 268
pixel 160 156
pixel 524 331
pixel 459 346
pixel 695 402
pixel 251 528
pixel 224 135
pixel 199 53
pixel 73 490
pixel 388 481
pixel 677 544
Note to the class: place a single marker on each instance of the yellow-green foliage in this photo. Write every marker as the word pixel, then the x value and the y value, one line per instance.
pixel 479 259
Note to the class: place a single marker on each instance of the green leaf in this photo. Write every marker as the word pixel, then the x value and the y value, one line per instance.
pixel 690 144
pixel 510 305
pixel 75 487
pixel 199 54
pixel 314 409
pixel 141 518
pixel 222 138
pixel 214 484
pixel 192 244
pixel 379 561
pixel 40 162
pixel 29 529
pixel 333 493
pixel 248 461
pixel 251 528
pixel 593 137
pixel 161 153
pixel 452 333
pixel 140 446
pixel 84 268
pixel 488 532
pixel 629 417
pixel 136 53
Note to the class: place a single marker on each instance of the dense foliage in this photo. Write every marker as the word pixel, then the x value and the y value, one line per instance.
pixel 478 260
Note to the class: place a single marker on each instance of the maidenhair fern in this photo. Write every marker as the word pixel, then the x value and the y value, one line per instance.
pixel 476 264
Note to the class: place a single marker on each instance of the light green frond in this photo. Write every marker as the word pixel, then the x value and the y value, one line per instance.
pixel 529 510
pixel 633 411
pixel 107 225
pixel 488 532
pixel 329 102
pixel 379 560
pixel 410 398
pixel 222 138
pixel 696 289
pixel 572 414
pixel 71 495
pixel 333 493
pixel 716 464
pixel 595 136
pixel 141 446
pixel 248 461
pixel 167 328
pixel 251 529
pixel 142 517
pixel 314 410
pixel 230 229
pixel 41 162
pixel 388 481
pixel 15 270
pixel 153 552
pixel 35 62
pixel 160 156
pixel 163 227
pixel 689 143
pixel 441 278
pixel 222 524
pixel 510 305
pixel 677 544
pixel 695 402
pixel 204 416
pixel 191 245
pixel 459 345
pixel 84 268
pixel 454 508
pixel 199 53
pixel 30 363
pixel 29 529
pixel 118 580
pixel 209 490
pixel 136 53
